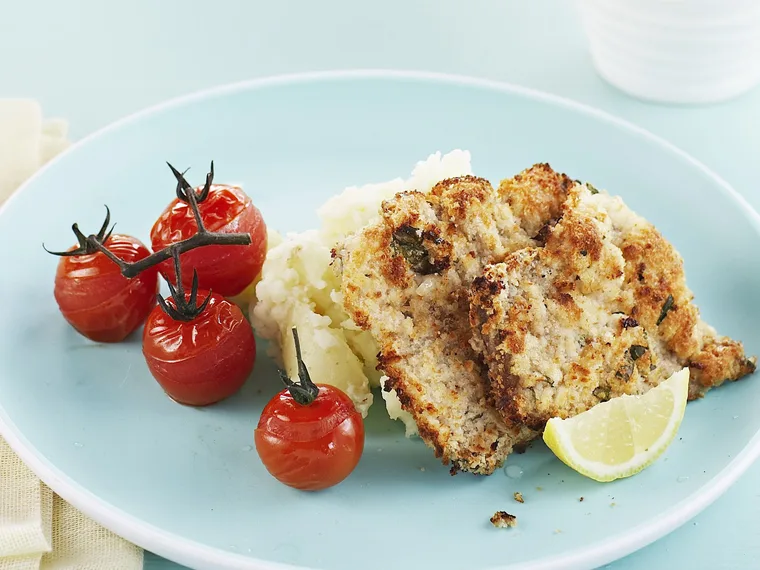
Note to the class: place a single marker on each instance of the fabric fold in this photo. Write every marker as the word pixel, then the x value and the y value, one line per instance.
pixel 26 508
pixel 79 543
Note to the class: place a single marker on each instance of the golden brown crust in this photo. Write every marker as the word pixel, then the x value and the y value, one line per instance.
pixel 602 310
pixel 719 360
pixel 495 310
pixel 653 272
pixel 551 342
pixel 536 196
pixel 663 303
pixel 406 277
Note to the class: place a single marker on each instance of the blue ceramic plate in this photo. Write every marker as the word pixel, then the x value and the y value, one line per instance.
pixel 185 482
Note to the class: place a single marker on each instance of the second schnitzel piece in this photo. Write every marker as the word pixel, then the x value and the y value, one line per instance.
pixel 405 278
pixel 602 310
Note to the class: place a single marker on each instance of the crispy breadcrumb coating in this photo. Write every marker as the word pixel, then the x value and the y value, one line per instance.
pixel 601 310
pixel 406 279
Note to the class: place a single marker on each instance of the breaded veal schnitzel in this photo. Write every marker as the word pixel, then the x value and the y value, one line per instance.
pixel 406 279
pixel 451 282
pixel 601 310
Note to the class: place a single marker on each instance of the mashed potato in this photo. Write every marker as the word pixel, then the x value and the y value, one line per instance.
pixel 299 288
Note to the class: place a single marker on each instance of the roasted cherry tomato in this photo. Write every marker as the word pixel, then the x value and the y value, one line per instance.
pixel 309 436
pixel 198 354
pixel 95 298
pixel 224 269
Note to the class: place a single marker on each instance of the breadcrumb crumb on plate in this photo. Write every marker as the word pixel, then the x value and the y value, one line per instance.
pixel 502 519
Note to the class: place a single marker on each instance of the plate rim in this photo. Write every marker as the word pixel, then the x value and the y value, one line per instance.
pixel 197 555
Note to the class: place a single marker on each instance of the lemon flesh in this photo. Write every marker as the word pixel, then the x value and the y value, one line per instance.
pixel 622 436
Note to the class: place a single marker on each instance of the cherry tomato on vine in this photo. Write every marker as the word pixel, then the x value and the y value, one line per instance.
pixel 309 436
pixel 224 269
pixel 92 294
pixel 198 354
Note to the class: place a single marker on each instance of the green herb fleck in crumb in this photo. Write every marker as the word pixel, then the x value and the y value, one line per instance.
pixel 602 393
pixel 408 242
pixel 637 351
pixel 666 308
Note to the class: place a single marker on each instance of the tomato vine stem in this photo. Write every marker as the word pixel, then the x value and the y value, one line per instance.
pixel 184 189
pixel 85 247
pixel 305 391
pixel 184 309
pixel 203 237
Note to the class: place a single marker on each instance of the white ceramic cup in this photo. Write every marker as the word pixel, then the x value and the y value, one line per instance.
pixel 675 51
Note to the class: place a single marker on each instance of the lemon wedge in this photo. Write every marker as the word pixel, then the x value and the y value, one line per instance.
pixel 622 436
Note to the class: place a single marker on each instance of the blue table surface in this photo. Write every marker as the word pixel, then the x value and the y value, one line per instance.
pixel 93 62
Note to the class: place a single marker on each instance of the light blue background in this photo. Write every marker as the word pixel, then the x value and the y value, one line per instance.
pixel 94 61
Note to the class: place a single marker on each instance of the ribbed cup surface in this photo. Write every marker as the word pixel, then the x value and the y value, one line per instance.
pixel 677 51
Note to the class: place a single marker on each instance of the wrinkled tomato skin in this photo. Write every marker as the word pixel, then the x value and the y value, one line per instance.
pixel 202 361
pixel 312 447
pixel 224 269
pixel 97 300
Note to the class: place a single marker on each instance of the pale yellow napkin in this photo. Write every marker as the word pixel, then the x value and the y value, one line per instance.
pixel 81 543
pixel 21 562
pixel 26 508
pixel 38 530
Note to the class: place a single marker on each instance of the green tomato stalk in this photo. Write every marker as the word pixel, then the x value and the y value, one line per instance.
pixel 305 391
pixel 202 237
